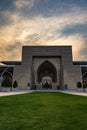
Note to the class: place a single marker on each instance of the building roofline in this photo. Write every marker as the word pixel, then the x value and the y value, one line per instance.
pixel 11 62
pixel 82 63
pixel 47 46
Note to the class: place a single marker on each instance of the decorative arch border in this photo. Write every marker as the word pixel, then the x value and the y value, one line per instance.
pixel 51 68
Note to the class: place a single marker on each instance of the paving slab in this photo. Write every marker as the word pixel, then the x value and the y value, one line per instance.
pixel 75 93
pixel 13 93
pixel 30 91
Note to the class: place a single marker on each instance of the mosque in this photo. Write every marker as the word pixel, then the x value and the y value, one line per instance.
pixel 45 67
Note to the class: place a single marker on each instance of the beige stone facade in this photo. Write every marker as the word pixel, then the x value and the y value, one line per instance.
pixel 54 62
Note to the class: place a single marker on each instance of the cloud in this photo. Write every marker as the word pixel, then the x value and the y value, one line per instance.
pixel 75 29
pixel 14 46
pixel 39 30
pixel 50 8
pixel 7 5
pixel 5 18
pixel 24 3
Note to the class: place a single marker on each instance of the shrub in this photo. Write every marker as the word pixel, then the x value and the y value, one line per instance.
pixel 6 83
pixel 15 84
pixel 79 84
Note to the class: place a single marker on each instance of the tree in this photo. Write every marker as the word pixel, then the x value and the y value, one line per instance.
pixel 7 83
pixel 79 84
pixel 15 84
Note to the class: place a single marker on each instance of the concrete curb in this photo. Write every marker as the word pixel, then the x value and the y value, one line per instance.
pixel 31 91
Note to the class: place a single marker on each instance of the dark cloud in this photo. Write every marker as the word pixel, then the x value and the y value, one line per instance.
pixel 83 51
pixel 33 37
pixel 49 8
pixel 7 5
pixel 75 29
pixel 7 8
pixel 45 8
pixel 12 47
pixel 65 11
pixel 5 19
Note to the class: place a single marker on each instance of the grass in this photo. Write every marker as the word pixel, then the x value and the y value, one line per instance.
pixel 43 111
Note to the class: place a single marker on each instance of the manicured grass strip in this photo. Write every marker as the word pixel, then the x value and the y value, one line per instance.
pixel 43 111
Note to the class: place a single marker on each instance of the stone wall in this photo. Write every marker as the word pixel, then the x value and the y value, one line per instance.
pixel 70 75
pixel 37 61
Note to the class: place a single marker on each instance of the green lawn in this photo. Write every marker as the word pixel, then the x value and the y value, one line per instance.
pixel 43 111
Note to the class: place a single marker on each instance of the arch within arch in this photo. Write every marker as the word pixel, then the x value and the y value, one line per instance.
pixel 46 69
pixel 7 75
pixel 84 79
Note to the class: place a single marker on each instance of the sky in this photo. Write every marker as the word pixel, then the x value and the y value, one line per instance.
pixel 42 22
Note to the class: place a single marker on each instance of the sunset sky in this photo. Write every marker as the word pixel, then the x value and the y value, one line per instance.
pixel 42 22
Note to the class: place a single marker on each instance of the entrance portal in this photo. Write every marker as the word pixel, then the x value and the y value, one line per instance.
pixel 46 74
pixel 46 82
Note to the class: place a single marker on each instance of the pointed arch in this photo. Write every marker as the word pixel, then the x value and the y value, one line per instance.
pixel 46 69
pixel 7 75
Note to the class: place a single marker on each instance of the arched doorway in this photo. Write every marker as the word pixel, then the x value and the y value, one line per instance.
pixel 47 74
pixel 84 79
pixel 7 79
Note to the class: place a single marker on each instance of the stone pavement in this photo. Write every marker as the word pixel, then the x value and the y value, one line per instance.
pixel 75 93
pixel 14 93
pixel 30 91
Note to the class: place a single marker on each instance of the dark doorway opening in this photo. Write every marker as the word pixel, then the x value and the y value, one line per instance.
pixel 46 69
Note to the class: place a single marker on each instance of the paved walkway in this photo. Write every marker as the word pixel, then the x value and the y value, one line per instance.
pixel 14 93
pixel 75 93
pixel 30 91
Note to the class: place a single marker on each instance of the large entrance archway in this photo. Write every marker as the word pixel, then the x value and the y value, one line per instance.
pixel 47 74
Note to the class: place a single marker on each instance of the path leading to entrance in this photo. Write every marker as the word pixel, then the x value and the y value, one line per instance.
pixel 30 91
pixel 14 93
pixel 75 93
